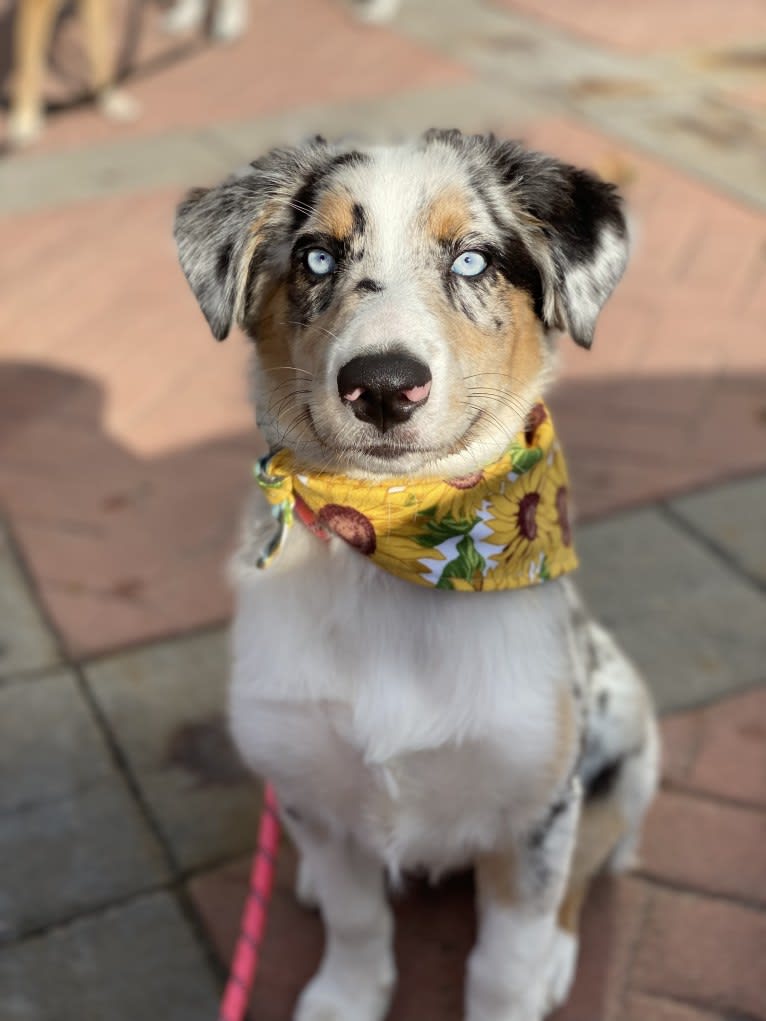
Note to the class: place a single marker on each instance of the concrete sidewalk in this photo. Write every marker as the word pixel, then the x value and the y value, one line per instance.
pixel 125 450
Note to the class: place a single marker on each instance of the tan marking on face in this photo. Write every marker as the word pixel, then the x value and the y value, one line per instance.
pixel 525 359
pixel 273 331
pixel 496 877
pixel 243 270
pixel 509 357
pixel 335 214
pixel 449 216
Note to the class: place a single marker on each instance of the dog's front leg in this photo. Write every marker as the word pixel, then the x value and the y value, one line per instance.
pixel 357 973
pixel 522 965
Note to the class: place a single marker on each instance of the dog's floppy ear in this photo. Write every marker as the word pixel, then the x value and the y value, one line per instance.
pixel 575 229
pixel 220 231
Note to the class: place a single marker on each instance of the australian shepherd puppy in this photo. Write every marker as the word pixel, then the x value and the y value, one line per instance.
pixel 421 697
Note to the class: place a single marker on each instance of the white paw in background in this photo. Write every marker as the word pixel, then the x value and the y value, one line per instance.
pixel 560 969
pixel 375 11
pixel 184 16
pixel 118 105
pixel 24 127
pixel 230 20
pixel 365 997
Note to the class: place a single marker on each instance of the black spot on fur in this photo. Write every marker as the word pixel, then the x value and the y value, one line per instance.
pixel 223 262
pixel 602 784
pixel 359 219
pixel 538 835
pixel 370 285
pixel 517 266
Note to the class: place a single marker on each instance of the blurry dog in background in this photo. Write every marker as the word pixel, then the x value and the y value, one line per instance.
pixel 32 33
pixel 227 20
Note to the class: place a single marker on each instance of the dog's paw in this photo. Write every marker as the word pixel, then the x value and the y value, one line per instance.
pixel 339 998
pixel 118 105
pixel 560 969
pixel 230 20
pixel 24 127
pixel 375 12
pixel 184 16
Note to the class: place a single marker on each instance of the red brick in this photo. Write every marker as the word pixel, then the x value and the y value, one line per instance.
pixel 706 845
pixel 720 750
pixel 681 734
pixel 706 951
pixel 731 760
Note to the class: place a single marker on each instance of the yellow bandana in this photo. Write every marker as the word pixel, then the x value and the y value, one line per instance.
pixel 504 527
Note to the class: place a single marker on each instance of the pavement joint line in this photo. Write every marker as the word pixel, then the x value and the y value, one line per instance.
pixel 674 886
pixel 210 628
pixel 173 885
pixel 94 911
pixel 710 796
pixel 30 675
pixel 182 897
pixel 35 804
pixel 681 787
pixel 684 525
pixel 28 577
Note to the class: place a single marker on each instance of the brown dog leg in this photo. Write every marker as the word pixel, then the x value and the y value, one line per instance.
pixel 32 32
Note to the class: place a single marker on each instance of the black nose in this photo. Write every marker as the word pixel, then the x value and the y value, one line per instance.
pixel 384 389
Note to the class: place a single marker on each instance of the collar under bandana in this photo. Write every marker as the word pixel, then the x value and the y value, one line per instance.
pixel 504 527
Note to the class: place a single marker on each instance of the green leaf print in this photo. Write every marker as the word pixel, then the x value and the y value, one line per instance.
pixel 467 565
pixel 545 571
pixel 524 458
pixel 438 532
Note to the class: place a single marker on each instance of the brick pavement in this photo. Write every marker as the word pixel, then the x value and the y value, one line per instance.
pixel 125 444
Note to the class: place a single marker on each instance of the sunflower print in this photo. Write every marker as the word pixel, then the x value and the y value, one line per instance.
pixel 505 526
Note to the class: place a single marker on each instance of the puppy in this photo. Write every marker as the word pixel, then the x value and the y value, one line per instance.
pixel 32 31
pixel 412 666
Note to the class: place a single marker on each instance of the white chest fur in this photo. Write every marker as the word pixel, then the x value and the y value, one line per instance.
pixel 424 722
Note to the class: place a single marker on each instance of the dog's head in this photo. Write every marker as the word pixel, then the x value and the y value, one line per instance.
pixel 402 300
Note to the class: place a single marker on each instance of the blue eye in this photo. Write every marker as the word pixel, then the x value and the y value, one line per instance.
pixel 320 262
pixel 469 264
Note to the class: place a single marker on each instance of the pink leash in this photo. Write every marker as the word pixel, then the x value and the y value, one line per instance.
pixel 252 928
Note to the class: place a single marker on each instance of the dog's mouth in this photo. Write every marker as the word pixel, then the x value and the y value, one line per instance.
pixel 411 456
